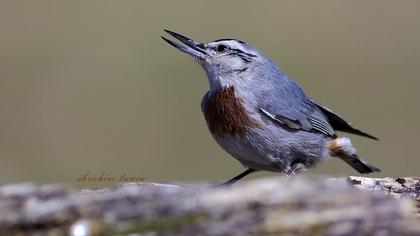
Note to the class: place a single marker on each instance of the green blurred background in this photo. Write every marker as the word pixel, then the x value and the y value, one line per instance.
pixel 88 86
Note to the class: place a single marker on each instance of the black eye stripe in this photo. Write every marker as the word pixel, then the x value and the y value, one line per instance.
pixel 238 51
pixel 246 57
pixel 242 52
pixel 246 60
pixel 251 55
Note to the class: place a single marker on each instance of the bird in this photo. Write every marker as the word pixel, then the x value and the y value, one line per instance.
pixel 261 117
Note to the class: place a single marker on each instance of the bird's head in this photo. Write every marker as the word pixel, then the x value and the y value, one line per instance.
pixel 226 61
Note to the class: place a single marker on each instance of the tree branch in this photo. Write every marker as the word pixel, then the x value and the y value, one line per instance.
pixel 298 206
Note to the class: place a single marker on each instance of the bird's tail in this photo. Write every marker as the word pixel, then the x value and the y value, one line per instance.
pixel 342 148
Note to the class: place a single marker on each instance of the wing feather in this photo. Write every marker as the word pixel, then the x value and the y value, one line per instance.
pixel 339 123
pixel 317 124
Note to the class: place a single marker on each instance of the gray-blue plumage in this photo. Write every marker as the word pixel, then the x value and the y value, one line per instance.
pixel 291 103
pixel 277 147
pixel 260 116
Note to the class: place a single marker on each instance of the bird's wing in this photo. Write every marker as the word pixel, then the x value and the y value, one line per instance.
pixel 284 102
pixel 311 123
pixel 292 109
pixel 339 123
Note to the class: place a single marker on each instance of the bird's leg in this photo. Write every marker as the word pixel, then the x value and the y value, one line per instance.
pixel 238 177
pixel 294 169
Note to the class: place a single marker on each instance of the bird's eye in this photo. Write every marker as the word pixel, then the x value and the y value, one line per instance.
pixel 221 48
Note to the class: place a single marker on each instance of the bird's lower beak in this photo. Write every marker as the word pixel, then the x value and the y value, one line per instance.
pixel 192 47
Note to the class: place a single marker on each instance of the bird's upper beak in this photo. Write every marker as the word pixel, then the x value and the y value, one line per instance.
pixel 192 47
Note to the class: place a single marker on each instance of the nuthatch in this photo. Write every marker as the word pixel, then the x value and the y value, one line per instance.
pixel 261 117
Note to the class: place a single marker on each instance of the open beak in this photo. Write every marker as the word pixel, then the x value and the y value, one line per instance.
pixel 191 47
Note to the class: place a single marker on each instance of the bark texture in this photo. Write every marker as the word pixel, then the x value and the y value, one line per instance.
pixel 298 206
